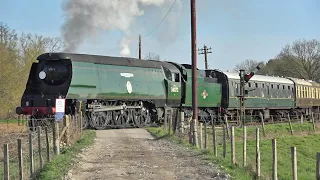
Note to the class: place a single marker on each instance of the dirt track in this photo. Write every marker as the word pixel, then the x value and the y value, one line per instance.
pixel 135 154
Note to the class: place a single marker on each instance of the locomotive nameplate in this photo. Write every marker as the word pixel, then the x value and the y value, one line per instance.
pixel 127 75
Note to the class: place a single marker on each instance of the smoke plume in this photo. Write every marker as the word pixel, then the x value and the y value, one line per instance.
pixel 85 19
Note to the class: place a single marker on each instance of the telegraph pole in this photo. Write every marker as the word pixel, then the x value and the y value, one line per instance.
pixel 205 51
pixel 194 69
pixel 139 46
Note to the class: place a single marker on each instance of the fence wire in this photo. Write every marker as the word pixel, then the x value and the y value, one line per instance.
pixel 41 137
pixel 271 128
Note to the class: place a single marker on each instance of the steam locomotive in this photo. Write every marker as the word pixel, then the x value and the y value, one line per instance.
pixel 128 92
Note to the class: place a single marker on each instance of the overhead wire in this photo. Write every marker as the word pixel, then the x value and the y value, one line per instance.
pixel 164 17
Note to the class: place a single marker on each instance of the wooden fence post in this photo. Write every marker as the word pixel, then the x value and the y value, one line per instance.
pixel 313 122
pixel 165 119
pixel 224 142
pixel 291 130
pixel 294 163
pixel 56 139
pixel 47 144
pixel 171 122
pixel 244 146
pixel 233 149
pixel 191 130
pixel 66 123
pixel 81 122
pixel 262 120
pixel 195 134
pixel 20 159
pixel 31 155
pixel 275 163
pixel 181 123
pixel 205 135
pixel 200 129
pixel 257 153
pixel 214 139
pixel 226 120
pixel 39 146
pixel 6 161
pixel 318 166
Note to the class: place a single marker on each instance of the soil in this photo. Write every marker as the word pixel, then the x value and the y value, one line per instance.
pixel 135 154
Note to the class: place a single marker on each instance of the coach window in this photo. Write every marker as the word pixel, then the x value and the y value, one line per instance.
pixel 312 91
pixel 305 92
pixel 237 89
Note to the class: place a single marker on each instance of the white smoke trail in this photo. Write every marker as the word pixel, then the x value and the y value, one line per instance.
pixel 84 19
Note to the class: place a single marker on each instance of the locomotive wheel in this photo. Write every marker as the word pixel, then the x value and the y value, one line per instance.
pixel 142 118
pixel 99 120
pixel 120 119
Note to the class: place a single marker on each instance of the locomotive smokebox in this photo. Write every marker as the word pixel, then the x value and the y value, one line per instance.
pixel 53 73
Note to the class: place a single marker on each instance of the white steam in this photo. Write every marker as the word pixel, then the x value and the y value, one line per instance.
pixel 84 19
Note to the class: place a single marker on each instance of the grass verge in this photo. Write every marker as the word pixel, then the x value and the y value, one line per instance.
pixel 306 141
pixel 234 171
pixel 59 166
pixel 13 121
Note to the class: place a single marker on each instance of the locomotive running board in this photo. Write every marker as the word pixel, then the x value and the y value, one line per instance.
pixel 114 108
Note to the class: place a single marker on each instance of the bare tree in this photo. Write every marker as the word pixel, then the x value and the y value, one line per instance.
pixel 303 56
pixel 32 45
pixel 8 37
pixel 248 65
pixel 17 54
pixel 152 56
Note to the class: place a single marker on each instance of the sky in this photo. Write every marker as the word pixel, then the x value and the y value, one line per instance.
pixel 235 30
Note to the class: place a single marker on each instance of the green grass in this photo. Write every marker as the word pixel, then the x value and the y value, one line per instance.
pixel 59 166
pixel 236 173
pixel 306 141
pixel 12 121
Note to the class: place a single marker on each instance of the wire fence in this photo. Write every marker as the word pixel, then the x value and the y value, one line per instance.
pixel 26 150
pixel 268 151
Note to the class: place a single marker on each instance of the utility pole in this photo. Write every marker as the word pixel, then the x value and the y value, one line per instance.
pixel 139 46
pixel 205 51
pixel 194 69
